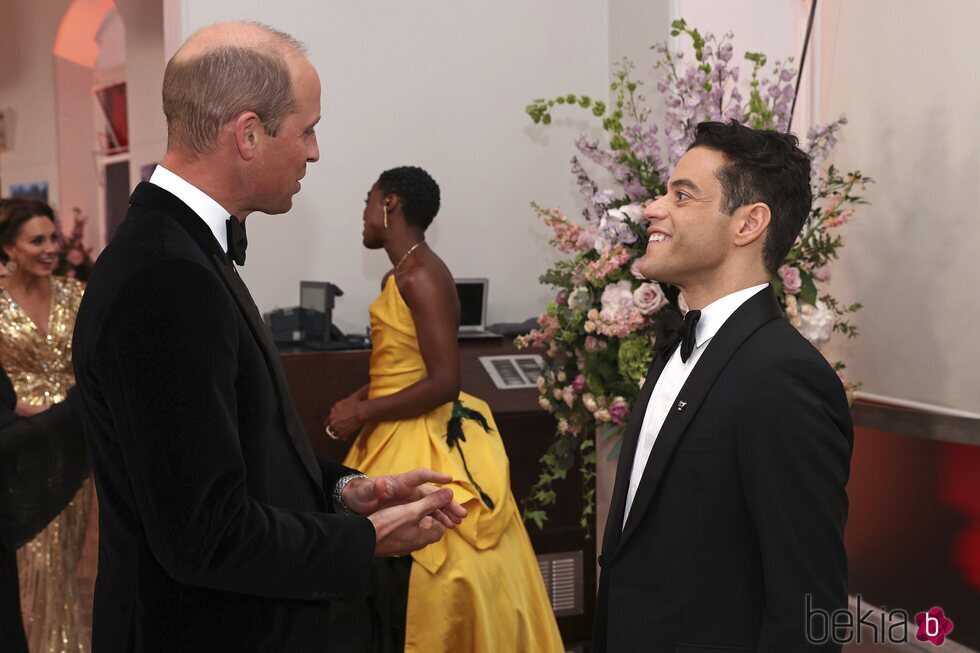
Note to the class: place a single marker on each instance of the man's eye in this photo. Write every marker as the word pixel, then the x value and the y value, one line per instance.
pixel 681 196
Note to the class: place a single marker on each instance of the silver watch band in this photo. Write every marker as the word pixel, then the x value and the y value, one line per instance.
pixel 338 494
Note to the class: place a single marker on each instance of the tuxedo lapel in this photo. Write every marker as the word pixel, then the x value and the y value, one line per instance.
pixel 755 312
pixel 268 347
pixel 624 468
pixel 154 198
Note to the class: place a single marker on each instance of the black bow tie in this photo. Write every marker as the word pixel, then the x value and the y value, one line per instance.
pixel 237 240
pixel 671 329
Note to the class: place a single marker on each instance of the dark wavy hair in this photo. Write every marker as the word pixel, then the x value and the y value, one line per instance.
pixel 14 213
pixel 762 166
pixel 418 191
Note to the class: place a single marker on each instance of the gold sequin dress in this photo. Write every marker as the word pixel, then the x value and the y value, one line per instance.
pixel 39 365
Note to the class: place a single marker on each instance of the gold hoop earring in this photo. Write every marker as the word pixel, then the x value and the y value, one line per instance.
pixel 386 215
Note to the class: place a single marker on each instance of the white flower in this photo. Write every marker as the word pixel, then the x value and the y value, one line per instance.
pixel 617 297
pixel 579 298
pixel 588 399
pixel 816 323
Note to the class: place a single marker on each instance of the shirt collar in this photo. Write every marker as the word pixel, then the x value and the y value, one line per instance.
pixel 212 213
pixel 715 314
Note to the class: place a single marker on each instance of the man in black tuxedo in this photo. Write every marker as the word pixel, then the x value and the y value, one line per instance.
pixel 219 528
pixel 727 517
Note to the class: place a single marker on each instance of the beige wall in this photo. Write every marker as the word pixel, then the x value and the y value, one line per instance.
pixel 27 83
pixel 145 59
pixel 902 72
pixel 441 84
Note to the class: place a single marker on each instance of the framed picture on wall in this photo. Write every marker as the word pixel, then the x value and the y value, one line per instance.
pixel 36 191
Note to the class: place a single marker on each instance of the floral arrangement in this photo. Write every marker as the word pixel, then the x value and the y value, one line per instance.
pixel 75 257
pixel 597 334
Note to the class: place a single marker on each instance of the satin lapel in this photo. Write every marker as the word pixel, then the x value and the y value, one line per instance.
pixel 756 311
pixel 624 468
pixel 264 337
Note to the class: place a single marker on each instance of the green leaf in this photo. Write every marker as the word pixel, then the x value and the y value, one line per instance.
pixel 777 285
pixel 808 292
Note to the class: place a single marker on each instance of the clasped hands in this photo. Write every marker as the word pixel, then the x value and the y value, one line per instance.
pixel 407 511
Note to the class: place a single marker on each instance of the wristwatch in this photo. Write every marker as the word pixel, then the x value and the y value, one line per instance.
pixel 338 494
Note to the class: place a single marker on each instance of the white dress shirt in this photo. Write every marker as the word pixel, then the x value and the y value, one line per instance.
pixel 213 214
pixel 672 379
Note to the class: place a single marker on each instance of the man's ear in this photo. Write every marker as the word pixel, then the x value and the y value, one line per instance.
pixel 248 131
pixel 753 220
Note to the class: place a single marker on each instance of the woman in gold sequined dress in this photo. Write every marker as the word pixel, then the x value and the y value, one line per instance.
pixel 37 315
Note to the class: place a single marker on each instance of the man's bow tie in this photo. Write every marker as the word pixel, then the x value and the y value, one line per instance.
pixel 672 329
pixel 237 240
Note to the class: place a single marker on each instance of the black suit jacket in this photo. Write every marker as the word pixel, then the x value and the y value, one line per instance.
pixel 215 533
pixel 740 512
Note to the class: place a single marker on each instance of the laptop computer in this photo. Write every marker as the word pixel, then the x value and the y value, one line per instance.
pixel 473 308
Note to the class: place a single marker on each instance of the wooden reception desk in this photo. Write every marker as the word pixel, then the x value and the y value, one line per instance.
pixel 317 380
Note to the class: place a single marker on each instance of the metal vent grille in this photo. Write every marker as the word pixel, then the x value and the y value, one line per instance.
pixel 563 579
pixel 510 372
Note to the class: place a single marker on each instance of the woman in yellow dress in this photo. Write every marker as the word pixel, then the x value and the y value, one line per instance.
pixel 37 316
pixel 479 589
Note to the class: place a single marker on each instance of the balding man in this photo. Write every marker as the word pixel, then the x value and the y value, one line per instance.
pixel 219 527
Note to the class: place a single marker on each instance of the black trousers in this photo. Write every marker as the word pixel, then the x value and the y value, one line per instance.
pixel 376 622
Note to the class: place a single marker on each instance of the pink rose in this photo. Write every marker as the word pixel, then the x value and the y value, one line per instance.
pixel 649 298
pixel 586 240
pixel 619 410
pixel 822 273
pixel 579 384
pixel 568 395
pixel 792 282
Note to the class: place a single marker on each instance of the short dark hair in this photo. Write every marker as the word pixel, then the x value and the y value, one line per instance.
pixel 762 166
pixel 418 191
pixel 14 212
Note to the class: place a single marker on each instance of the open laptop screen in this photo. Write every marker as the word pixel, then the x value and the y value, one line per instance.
pixel 472 303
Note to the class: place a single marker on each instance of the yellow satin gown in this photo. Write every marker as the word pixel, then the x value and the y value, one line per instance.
pixel 39 366
pixel 479 589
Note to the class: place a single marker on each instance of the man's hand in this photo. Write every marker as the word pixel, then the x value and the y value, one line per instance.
pixel 366 496
pixel 401 529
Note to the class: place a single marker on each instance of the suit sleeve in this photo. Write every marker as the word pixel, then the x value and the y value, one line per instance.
pixel 168 366
pixel 794 449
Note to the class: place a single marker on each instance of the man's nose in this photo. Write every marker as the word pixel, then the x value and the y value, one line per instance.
pixel 655 210
pixel 313 153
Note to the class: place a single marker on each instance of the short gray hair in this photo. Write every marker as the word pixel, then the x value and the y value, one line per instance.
pixel 201 93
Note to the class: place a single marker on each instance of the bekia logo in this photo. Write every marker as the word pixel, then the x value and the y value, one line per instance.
pixel 933 626
pixel 873 624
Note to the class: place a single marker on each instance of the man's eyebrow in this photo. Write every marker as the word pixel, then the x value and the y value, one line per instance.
pixel 685 183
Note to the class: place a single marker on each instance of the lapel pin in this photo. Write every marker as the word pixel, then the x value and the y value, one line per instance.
pixel 681 405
